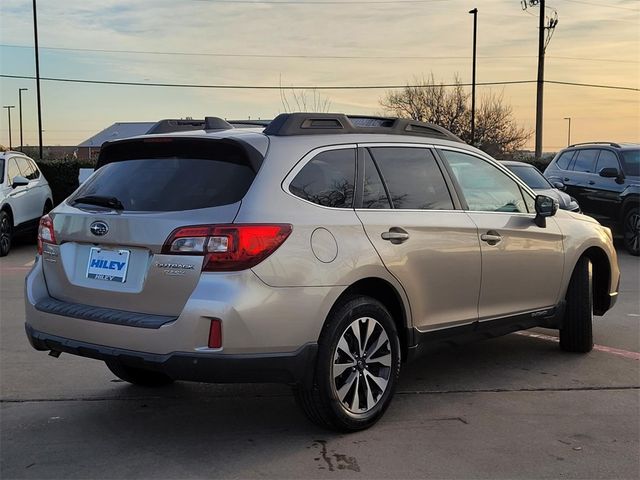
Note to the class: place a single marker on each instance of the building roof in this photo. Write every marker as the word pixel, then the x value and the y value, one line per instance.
pixel 117 131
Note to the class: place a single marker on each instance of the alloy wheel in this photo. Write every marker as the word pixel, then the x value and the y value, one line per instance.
pixel 361 366
pixel 632 231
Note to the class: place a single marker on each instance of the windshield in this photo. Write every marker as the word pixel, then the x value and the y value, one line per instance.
pixel 631 162
pixel 531 176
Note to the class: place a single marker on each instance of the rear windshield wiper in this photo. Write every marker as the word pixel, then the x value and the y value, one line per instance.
pixel 109 202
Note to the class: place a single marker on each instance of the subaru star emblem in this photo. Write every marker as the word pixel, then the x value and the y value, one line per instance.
pixel 99 228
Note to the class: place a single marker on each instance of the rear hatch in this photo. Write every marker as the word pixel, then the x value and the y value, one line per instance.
pixel 110 233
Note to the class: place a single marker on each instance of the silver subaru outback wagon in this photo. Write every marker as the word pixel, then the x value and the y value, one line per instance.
pixel 322 251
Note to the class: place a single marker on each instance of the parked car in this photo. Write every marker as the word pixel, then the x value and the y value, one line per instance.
pixel 24 197
pixel 530 175
pixel 604 177
pixel 321 251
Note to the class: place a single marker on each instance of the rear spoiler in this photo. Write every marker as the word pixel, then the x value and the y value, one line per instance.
pixel 229 149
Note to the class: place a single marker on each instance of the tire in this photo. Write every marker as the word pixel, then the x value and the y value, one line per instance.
pixel 6 233
pixel 330 401
pixel 576 334
pixel 631 231
pixel 138 376
pixel 48 206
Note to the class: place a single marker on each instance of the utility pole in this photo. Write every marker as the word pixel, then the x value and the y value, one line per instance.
pixel 540 84
pixel 545 32
pixel 569 132
pixel 474 12
pixel 20 90
pixel 35 35
pixel 9 107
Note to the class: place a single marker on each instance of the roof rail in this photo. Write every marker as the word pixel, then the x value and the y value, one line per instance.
pixel 613 144
pixel 249 123
pixel 172 125
pixel 287 124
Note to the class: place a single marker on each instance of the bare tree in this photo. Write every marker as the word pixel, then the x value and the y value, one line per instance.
pixel 497 132
pixel 296 100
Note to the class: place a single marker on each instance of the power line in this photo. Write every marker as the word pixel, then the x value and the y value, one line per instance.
pixel 593 85
pixel 308 87
pixel 301 56
pixel 602 4
pixel 315 2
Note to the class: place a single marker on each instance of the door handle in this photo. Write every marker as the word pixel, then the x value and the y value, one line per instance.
pixel 591 182
pixel 395 235
pixel 491 237
pixel 566 179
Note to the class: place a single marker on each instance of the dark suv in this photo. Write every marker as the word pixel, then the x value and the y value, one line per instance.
pixel 604 177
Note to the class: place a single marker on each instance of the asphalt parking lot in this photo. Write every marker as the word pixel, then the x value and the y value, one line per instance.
pixel 513 407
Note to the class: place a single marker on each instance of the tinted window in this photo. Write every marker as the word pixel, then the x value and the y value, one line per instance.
pixel 631 162
pixel 328 179
pixel 564 160
pixel 531 176
pixel 171 183
pixel 12 170
pixel 374 194
pixel 607 159
pixel 1 170
pixel 585 161
pixel 485 188
pixel 413 178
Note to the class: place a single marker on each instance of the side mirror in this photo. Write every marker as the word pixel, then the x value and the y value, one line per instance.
pixel 545 207
pixel 609 172
pixel 19 181
pixel 559 186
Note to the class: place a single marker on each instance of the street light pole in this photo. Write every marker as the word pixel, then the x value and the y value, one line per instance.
pixel 20 90
pixel 569 132
pixel 9 107
pixel 474 12
pixel 35 35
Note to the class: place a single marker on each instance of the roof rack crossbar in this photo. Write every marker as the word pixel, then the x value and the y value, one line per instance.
pixel 613 144
pixel 288 124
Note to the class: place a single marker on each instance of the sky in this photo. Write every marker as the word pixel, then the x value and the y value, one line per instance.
pixel 242 42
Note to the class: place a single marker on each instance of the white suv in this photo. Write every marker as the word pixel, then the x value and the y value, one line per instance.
pixel 24 197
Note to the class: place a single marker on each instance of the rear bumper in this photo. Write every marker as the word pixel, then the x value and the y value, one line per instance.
pixel 290 367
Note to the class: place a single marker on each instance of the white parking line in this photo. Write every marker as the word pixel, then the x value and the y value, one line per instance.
pixel 600 348
pixel 29 264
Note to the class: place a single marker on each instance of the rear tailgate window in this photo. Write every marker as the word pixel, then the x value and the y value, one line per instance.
pixel 167 174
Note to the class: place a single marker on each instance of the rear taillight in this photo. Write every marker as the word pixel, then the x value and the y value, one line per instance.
pixel 45 232
pixel 227 247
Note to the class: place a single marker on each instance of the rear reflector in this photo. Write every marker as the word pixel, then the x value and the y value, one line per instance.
pixel 227 247
pixel 215 334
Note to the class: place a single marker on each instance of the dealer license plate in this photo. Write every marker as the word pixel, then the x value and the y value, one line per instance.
pixel 109 265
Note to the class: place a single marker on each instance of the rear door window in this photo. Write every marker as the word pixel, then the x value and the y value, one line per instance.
pixel 374 194
pixel 328 179
pixel 585 161
pixel 413 178
pixel 181 176
pixel 564 160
